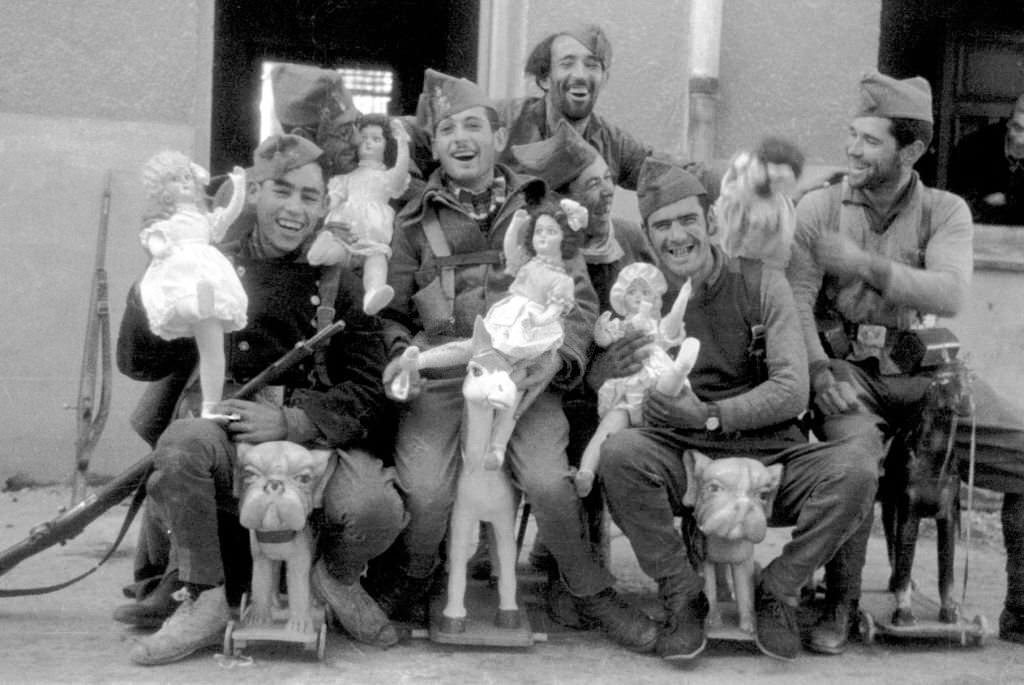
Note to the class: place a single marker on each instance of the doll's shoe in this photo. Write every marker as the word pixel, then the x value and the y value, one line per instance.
pixel 378 298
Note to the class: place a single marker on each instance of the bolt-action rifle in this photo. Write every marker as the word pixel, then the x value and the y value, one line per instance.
pixel 73 521
pixel 92 417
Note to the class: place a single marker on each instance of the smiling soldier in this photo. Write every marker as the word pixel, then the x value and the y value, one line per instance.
pixel 571 67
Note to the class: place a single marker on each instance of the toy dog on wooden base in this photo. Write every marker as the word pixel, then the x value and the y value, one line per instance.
pixel 922 479
pixel 281 483
pixel 731 500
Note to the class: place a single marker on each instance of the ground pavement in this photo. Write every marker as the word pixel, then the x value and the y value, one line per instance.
pixel 69 637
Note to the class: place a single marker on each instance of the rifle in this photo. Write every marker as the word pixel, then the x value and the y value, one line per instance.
pixel 70 523
pixel 92 418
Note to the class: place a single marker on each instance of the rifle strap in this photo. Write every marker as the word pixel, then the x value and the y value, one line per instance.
pixel 133 509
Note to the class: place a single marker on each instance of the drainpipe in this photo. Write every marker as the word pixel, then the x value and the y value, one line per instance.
pixel 705 48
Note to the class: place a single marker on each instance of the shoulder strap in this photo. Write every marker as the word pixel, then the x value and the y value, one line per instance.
pixel 751 269
pixel 441 249
pixel 924 231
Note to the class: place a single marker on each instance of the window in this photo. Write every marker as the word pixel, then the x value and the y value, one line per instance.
pixel 371 91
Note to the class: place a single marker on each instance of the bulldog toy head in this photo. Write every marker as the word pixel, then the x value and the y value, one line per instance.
pixel 281 484
pixel 732 497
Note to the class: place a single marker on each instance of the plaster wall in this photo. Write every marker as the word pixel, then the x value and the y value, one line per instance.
pixel 87 87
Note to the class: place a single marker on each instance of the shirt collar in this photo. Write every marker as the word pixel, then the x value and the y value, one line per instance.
pixel 482 205
pixel 877 222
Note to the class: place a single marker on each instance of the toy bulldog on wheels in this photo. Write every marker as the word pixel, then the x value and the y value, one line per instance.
pixel 281 484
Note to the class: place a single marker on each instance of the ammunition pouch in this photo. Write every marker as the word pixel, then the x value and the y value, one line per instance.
pixel 924 348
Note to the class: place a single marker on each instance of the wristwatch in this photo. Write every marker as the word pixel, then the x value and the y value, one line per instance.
pixel 713 424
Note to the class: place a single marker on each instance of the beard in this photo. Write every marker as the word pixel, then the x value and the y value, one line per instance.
pixel 572 107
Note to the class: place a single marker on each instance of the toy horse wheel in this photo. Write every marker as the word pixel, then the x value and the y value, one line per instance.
pixel 229 639
pixel 980 632
pixel 321 642
pixel 866 627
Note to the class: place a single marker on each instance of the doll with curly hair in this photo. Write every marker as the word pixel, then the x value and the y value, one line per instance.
pixel 636 298
pixel 360 220
pixel 190 289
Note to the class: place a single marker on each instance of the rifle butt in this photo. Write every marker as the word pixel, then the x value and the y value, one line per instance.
pixel 70 523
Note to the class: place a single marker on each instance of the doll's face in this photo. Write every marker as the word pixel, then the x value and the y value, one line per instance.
pixel 637 293
pixel 547 237
pixel 181 185
pixel 372 143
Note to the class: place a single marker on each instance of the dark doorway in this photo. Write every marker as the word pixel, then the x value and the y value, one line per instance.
pixel 404 36
pixel 964 48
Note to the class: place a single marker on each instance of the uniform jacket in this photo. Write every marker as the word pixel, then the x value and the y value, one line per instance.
pixel 929 271
pixel 283 298
pixel 413 273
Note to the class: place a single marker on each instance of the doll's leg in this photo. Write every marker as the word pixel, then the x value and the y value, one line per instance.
pixel 612 422
pixel 375 283
pixel 501 431
pixel 672 322
pixel 209 335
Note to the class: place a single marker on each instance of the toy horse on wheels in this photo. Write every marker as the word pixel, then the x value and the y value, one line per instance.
pixel 484 491
pixel 922 480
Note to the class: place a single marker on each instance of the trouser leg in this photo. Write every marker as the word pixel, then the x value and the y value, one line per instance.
pixel 826 492
pixel 540 469
pixel 1013 537
pixel 644 480
pixel 363 514
pixel 190 485
pixel 426 463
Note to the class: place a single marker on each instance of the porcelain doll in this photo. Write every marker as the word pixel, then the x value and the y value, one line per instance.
pixel 190 289
pixel 636 298
pixel 360 220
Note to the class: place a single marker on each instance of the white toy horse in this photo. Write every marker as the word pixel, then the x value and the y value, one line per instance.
pixel 484 492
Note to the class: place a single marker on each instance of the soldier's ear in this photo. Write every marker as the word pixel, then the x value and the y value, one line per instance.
pixel 712 220
pixel 500 139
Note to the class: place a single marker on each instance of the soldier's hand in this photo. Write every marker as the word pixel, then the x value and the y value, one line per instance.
pixel 684 410
pixel 408 387
pixel 257 422
pixel 833 397
pixel 839 255
pixel 624 357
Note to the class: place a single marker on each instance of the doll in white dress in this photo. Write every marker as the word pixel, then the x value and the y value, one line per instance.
pixel 190 289
pixel 360 220
pixel 636 297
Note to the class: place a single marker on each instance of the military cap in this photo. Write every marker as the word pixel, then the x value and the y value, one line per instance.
pixel 885 96
pixel 305 95
pixel 279 154
pixel 445 95
pixel 662 182
pixel 559 159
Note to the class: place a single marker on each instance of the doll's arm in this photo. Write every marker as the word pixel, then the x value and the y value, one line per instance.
pixel 398 175
pixel 559 303
pixel 514 254
pixel 607 330
pixel 337 194
pixel 156 240
pixel 672 328
pixel 223 218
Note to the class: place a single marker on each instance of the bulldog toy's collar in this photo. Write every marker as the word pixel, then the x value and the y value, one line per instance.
pixel 275 535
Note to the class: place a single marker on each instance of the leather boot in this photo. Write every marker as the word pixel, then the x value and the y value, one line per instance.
pixel 154 608
pixel 778 634
pixel 831 633
pixel 1011 620
pixel 623 623
pixel 683 636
